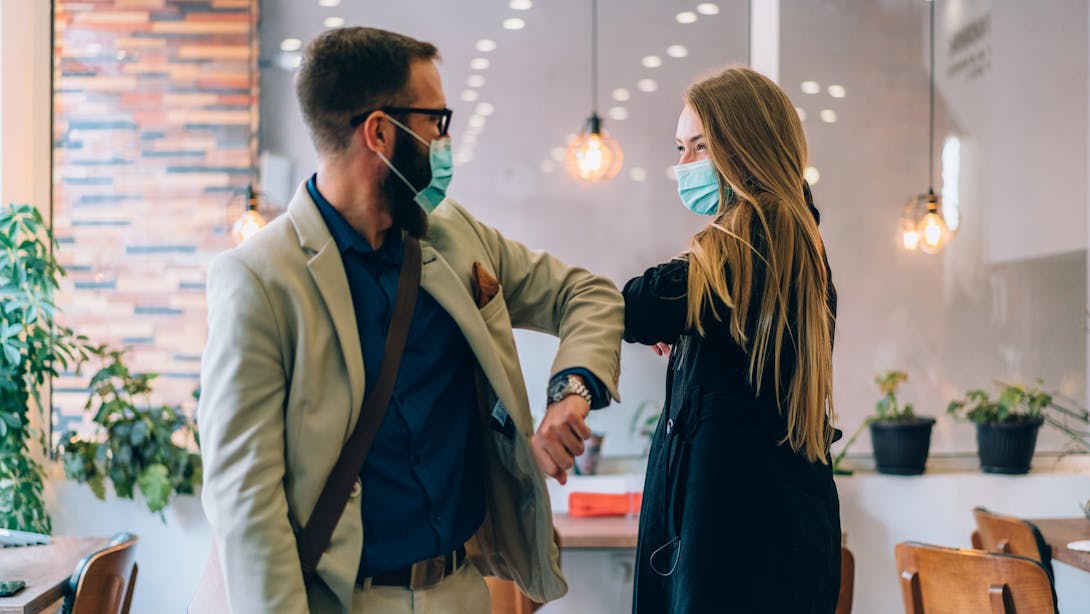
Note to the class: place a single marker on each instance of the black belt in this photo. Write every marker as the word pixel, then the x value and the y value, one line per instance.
pixel 422 574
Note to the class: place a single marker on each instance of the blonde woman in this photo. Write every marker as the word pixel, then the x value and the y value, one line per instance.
pixel 740 510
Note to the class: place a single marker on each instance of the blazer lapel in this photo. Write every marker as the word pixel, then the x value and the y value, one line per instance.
pixel 443 284
pixel 327 270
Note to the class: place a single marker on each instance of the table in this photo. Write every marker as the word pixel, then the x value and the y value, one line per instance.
pixel 596 532
pixel 1059 532
pixel 45 569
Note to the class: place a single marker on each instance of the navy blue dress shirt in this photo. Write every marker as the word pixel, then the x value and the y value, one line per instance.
pixel 423 490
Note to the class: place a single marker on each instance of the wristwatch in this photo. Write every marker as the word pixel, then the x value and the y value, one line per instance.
pixel 565 386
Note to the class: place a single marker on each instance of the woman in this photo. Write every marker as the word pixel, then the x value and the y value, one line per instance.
pixel 740 509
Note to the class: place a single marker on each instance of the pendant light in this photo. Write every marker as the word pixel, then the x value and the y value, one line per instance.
pixel 593 155
pixel 251 220
pixel 923 225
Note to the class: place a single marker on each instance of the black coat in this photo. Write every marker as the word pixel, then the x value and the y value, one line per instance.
pixel 732 520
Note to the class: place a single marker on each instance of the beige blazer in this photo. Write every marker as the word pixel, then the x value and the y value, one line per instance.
pixel 282 382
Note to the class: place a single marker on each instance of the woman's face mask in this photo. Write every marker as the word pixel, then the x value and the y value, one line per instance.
pixel 698 186
pixel 442 170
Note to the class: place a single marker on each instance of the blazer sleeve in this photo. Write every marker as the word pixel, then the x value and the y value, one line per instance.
pixel 241 421
pixel 542 293
pixel 656 304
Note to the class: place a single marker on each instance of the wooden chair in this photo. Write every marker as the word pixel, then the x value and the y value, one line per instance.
pixel 103 580
pixel 1010 535
pixel 937 580
pixel 847 582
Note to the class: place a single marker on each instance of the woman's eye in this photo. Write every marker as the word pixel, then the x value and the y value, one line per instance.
pixel 700 147
pixel 680 149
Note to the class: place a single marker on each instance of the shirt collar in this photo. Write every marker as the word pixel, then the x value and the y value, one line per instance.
pixel 348 238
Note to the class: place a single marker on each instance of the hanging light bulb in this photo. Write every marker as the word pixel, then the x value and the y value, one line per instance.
pixel 251 219
pixel 593 155
pixel 910 236
pixel 932 229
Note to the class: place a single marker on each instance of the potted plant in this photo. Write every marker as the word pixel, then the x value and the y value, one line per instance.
pixel 1006 426
pixel 138 446
pixel 900 438
pixel 32 348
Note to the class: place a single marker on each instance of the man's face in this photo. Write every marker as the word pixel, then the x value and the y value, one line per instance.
pixel 410 156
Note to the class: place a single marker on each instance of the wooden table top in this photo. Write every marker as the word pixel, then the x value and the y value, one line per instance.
pixel 1059 532
pixel 44 569
pixel 596 532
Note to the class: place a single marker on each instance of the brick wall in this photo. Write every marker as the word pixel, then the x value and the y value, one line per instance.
pixel 155 111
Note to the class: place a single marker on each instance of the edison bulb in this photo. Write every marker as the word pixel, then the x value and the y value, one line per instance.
pixel 910 239
pixel 250 222
pixel 594 156
pixel 933 233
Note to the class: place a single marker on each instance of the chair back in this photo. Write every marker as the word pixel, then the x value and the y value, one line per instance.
pixel 103 580
pixel 847 582
pixel 938 580
pixel 1010 535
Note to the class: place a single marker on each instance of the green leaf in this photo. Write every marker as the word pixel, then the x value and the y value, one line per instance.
pixel 154 483
pixel 98 486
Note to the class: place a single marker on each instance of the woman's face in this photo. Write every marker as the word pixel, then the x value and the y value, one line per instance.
pixel 690 137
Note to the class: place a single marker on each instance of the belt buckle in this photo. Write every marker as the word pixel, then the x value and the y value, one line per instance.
pixel 429 573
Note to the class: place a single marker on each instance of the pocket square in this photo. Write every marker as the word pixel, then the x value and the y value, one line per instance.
pixel 485 286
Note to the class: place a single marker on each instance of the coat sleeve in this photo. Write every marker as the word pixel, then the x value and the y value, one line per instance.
pixel 656 304
pixel 542 293
pixel 241 422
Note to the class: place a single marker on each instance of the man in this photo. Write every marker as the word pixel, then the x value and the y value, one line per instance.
pixel 298 317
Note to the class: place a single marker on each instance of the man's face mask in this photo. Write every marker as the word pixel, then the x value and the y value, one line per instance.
pixel 442 169
pixel 698 187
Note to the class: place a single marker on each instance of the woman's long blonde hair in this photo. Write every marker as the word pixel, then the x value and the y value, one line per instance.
pixel 775 281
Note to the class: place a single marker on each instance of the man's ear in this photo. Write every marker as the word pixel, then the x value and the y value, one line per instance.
pixel 377 134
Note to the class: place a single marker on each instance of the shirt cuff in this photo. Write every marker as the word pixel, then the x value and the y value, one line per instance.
pixel 599 395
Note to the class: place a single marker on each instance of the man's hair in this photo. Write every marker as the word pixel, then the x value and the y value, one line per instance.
pixel 347 71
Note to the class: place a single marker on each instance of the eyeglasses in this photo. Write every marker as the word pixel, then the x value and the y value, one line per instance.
pixel 444 116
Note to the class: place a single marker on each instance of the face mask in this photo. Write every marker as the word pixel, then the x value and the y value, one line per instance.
pixel 442 169
pixel 698 187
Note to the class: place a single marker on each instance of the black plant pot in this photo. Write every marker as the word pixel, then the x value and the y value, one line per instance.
pixel 1007 447
pixel 900 447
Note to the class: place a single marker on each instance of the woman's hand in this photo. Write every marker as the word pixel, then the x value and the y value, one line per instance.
pixel 662 349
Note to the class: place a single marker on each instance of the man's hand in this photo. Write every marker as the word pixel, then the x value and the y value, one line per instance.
pixel 560 436
pixel 662 349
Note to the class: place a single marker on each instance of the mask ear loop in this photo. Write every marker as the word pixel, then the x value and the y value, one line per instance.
pixel 677 557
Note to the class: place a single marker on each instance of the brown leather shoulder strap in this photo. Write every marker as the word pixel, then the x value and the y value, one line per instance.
pixel 314 537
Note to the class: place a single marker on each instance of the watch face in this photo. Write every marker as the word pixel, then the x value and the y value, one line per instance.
pixel 557 387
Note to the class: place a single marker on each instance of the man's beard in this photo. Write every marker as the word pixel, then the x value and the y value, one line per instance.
pixel 415 165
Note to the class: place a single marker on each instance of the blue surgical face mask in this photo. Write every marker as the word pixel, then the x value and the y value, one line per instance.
pixel 442 169
pixel 698 187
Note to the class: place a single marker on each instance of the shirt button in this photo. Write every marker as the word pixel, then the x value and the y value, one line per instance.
pixel 669 426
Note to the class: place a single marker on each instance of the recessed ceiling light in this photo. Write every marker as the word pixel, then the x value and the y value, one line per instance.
pixel 485 45
pixel 677 51
pixel 707 8
pixel 476 121
pixel 618 113
pixel 637 174
pixel 333 22
pixel 837 91
pixel 485 109
pixel 652 61
pixel 470 95
pixel 686 17
pixel 810 87
pixel 513 23
pixel 558 153
pixel 547 166
pixel 802 113
pixel 329 2
pixel 621 94
pixel 479 63
pixel 520 5
pixel 647 85
pixel 828 116
pixel 475 80
pixel 291 44
pixel 812 175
